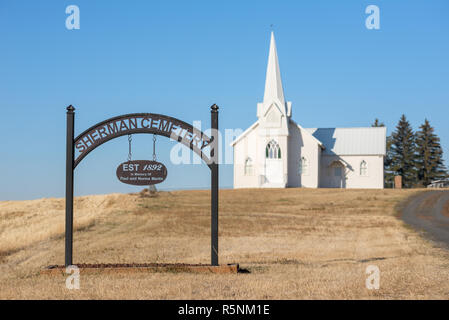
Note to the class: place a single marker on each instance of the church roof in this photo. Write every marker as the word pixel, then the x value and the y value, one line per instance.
pixel 352 141
pixel 244 133
pixel 309 133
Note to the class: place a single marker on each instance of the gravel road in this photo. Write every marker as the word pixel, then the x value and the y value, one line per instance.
pixel 429 212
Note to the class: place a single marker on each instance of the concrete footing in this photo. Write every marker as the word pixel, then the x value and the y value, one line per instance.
pixel 144 268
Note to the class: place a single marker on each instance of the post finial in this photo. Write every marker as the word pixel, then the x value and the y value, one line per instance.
pixel 70 108
pixel 214 108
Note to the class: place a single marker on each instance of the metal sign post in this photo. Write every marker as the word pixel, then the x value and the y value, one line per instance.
pixel 214 185
pixel 70 153
pixel 78 148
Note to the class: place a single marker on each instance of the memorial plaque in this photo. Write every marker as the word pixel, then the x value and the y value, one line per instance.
pixel 141 172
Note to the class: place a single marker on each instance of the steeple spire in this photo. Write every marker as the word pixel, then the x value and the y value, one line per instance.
pixel 273 82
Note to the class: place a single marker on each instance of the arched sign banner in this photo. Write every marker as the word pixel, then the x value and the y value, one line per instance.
pixel 142 123
pixel 141 172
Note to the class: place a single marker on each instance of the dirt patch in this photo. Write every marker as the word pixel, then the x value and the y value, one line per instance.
pixel 446 209
pixel 425 217
pixel 429 201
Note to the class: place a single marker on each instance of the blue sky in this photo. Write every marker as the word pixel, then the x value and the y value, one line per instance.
pixel 179 57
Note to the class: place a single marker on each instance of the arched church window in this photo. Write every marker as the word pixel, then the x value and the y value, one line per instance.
pixel 273 151
pixel 363 169
pixel 303 166
pixel 249 167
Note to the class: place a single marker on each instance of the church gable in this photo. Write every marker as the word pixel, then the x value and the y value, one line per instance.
pixel 245 133
pixel 273 116
pixel 304 158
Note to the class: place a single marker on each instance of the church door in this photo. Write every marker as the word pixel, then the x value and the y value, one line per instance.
pixel 338 177
pixel 274 172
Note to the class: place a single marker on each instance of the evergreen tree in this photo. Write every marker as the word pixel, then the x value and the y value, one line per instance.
pixel 403 153
pixel 429 157
pixel 389 174
pixel 377 123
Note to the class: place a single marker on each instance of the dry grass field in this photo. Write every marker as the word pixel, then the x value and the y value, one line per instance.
pixel 295 243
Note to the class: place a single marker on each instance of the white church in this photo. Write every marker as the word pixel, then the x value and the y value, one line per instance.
pixel 276 152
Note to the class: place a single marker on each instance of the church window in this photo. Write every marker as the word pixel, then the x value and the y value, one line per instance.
pixel 249 167
pixel 273 151
pixel 363 169
pixel 303 166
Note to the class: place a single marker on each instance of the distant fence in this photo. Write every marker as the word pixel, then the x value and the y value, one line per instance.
pixel 439 184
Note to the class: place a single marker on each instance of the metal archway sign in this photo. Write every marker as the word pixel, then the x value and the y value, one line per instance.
pixel 78 148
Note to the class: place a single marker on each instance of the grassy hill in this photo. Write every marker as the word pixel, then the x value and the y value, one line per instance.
pixel 296 243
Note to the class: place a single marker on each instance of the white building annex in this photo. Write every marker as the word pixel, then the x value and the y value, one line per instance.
pixel 276 152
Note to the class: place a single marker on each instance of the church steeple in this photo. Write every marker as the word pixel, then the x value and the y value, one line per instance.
pixel 273 82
